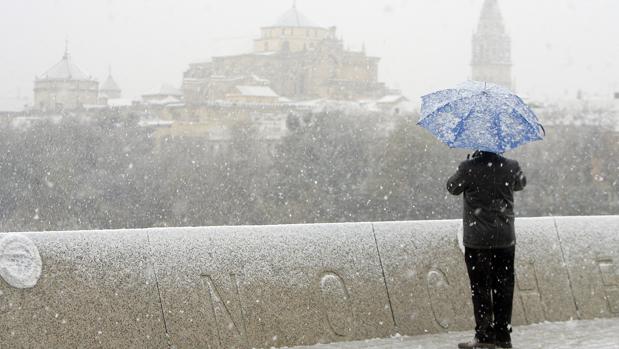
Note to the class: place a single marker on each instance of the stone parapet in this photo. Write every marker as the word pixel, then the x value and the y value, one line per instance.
pixel 273 286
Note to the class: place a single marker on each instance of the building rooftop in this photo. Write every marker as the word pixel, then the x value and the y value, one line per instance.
pixel 65 70
pixel 165 90
pixel 392 99
pixel 109 85
pixel 256 91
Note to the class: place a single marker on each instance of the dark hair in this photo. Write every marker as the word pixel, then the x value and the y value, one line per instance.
pixel 481 153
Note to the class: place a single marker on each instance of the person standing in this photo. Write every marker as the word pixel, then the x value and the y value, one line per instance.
pixel 488 182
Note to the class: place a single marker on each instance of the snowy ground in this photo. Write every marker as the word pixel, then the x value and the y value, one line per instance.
pixel 585 334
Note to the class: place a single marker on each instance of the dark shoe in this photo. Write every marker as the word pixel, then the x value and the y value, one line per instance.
pixel 476 344
pixel 503 340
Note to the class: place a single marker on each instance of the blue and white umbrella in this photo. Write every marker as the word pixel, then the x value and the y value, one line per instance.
pixel 480 116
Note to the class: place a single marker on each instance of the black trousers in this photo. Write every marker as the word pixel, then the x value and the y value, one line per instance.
pixel 491 272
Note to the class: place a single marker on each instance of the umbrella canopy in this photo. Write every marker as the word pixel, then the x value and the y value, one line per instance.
pixel 480 116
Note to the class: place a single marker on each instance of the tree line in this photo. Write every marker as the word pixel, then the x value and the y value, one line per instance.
pixel 107 172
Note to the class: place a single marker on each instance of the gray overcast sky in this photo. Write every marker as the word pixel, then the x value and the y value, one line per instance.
pixel 559 46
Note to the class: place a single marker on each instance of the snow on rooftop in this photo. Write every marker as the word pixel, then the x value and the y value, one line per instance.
pixel 94 106
pixel 24 122
pixel 329 105
pixel 155 123
pixel 119 102
pixel 258 79
pixel 226 78
pixel 392 99
pixel 256 91
pixel 164 101
pixel 267 53
pixel 64 70
pixel 167 89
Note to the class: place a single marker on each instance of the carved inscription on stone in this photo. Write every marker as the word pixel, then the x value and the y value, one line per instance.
pixel 530 296
pixel 227 311
pixel 20 262
pixel 336 304
pixel 610 280
pixel 438 292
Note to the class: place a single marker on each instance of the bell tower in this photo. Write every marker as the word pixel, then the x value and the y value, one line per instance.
pixel 491 60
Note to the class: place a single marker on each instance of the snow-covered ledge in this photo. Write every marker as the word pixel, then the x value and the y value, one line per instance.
pixel 271 286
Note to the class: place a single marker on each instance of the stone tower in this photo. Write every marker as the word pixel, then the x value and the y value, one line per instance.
pixel 109 89
pixel 492 48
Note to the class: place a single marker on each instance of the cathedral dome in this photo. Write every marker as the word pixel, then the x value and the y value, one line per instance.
pixel 64 87
pixel 294 18
pixel 65 70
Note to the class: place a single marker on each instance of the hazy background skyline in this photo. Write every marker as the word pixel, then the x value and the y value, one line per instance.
pixel 558 46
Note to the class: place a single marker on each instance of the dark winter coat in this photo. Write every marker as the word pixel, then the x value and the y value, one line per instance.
pixel 488 182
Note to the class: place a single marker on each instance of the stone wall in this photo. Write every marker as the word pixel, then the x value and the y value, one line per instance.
pixel 272 286
pixel 326 71
pixel 51 95
pixel 297 38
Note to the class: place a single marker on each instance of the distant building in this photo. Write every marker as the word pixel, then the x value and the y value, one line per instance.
pixel 395 104
pixel 253 94
pixel 167 94
pixel 492 48
pixel 296 68
pixel 109 89
pixel 63 87
pixel 295 59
